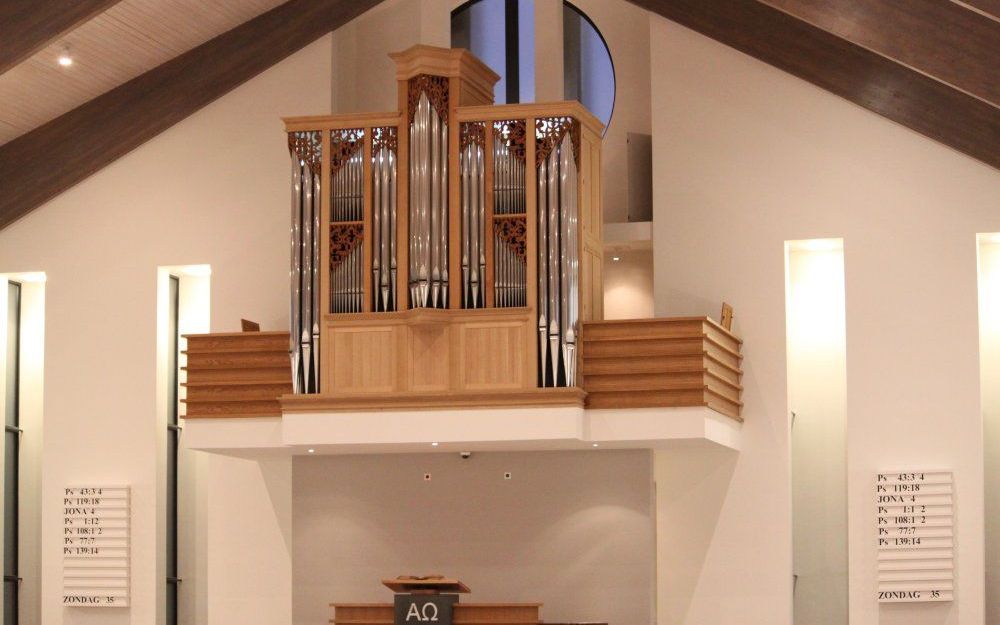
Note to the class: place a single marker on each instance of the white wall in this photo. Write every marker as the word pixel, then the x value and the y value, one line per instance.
pixel 989 353
pixel 572 529
pixel 212 189
pixel 745 158
pixel 364 77
pixel 628 284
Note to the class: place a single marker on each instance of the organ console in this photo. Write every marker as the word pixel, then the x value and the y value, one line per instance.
pixel 452 245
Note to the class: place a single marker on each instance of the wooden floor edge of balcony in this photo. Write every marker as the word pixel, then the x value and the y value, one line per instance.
pixel 572 397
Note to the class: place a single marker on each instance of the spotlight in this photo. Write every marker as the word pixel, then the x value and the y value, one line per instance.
pixel 64 58
pixel 312 451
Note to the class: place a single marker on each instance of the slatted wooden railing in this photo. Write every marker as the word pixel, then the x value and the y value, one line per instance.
pixel 688 361
pixel 238 374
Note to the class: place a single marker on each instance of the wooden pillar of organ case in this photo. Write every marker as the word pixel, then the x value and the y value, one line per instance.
pixel 456 78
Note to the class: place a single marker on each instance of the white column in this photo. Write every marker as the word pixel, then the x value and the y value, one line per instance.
pixel 435 22
pixel 249 541
pixel 548 50
pixel 989 368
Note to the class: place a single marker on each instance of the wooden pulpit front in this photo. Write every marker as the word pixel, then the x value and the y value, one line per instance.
pixel 413 594
pixel 465 613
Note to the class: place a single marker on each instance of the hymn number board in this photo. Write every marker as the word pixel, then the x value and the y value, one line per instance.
pixel 96 528
pixel 916 548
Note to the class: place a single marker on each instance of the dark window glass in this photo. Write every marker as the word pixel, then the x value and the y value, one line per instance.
pixel 173 441
pixel 502 34
pixel 12 442
pixel 589 75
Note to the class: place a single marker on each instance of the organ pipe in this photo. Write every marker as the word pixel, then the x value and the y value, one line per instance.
pixel 473 214
pixel 304 272
pixel 428 207
pixel 383 185
pixel 510 261
pixel 346 216
pixel 558 264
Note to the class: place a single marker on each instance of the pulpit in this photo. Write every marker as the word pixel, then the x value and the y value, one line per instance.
pixel 433 599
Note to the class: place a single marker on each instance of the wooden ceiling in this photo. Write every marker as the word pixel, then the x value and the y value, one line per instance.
pixel 111 48
pixel 141 66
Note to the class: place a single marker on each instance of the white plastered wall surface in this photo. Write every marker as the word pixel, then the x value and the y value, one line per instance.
pixel 746 157
pixel 212 189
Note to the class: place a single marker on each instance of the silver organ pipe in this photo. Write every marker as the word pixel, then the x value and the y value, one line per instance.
pixel 510 269
pixel 295 272
pixel 543 272
pixel 383 186
pixel 304 274
pixel 558 257
pixel 428 207
pixel 346 216
pixel 307 264
pixel 473 214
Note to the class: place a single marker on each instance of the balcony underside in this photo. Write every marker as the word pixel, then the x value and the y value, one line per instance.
pixel 357 431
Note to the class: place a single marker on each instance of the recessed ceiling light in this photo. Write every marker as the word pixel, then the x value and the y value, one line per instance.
pixel 64 58
pixel 616 258
pixel 596 445
pixel 434 444
pixel 312 451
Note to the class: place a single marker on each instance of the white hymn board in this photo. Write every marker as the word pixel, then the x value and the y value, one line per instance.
pixel 95 544
pixel 915 513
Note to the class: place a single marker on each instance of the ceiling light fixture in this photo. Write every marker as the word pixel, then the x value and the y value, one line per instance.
pixel 434 444
pixel 616 258
pixel 64 58
pixel 312 451
pixel 596 445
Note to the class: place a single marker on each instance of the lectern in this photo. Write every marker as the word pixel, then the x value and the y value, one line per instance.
pixel 433 599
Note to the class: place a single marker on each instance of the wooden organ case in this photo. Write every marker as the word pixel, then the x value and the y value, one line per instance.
pixel 451 248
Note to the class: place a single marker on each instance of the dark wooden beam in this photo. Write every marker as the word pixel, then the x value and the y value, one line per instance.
pixel 43 163
pixel 942 39
pixel 895 91
pixel 990 7
pixel 27 26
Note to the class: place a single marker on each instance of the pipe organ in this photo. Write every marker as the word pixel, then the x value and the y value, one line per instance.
pixel 452 246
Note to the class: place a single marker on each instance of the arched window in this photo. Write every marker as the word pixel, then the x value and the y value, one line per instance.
pixel 502 34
